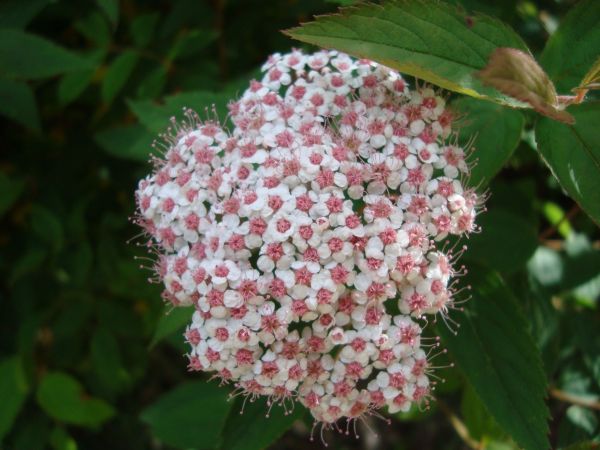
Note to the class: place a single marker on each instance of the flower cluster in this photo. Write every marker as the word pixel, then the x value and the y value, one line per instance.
pixel 306 237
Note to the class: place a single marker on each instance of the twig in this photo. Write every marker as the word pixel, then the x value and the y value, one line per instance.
pixel 574 399
pixel 459 426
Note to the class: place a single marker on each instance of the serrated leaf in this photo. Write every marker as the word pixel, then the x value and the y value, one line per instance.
pixel 171 322
pixel 427 39
pixel 190 416
pixel 13 391
pixel 574 46
pixel 127 142
pixel 17 102
pixel 118 73
pixel 518 75
pixel 63 398
pixel 573 154
pixel 251 430
pixel 499 358
pixel 506 241
pixel 495 132
pixel 25 55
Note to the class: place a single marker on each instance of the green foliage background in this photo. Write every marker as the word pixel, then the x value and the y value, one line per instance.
pixel 88 358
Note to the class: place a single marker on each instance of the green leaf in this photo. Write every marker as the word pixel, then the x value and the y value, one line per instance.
pixel 499 358
pixel 573 154
pixel 142 28
pixel 495 132
pixel 47 226
pixel 480 424
pixel 427 39
pixel 128 142
pixel 95 28
pixel 190 42
pixel 18 14
pixel 63 398
pixel 10 190
pixel 118 73
pixel 171 322
pixel 251 430
pixel 60 440
pixel 24 55
pixel 156 117
pixel 13 391
pixel 17 102
pixel 506 241
pixel 574 46
pixel 106 360
pixel 111 10
pixel 516 73
pixel 152 84
pixel 73 84
pixel 190 416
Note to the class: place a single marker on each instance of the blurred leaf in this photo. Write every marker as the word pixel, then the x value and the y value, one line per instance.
pixel 47 226
pixel 495 131
pixel 152 84
pixel 63 398
pixel 106 361
pixel 171 322
pixel 31 259
pixel 190 416
pixel 190 42
pixel 573 154
pixel 111 9
pixel 18 13
pixel 579 424
pixel 33 434
pixel 17 102
pixel 128 142
pixel 24 55
pixel 251 430
pixel 73 84
pixel 60 440
pixel 456 44
pixel 95 29
pixel 573 48
pixel 156 117
pixel 10 190
pixel 143 27
pixel 13 391
pixel 556 216
pixel 500 360
pixel 517 74
pixel 506 241
pixel 118 73
pixel 584 446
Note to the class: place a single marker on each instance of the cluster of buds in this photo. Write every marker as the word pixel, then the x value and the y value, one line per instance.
pixel 307 238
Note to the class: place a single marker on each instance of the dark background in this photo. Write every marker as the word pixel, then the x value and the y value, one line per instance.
pixel 75 305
